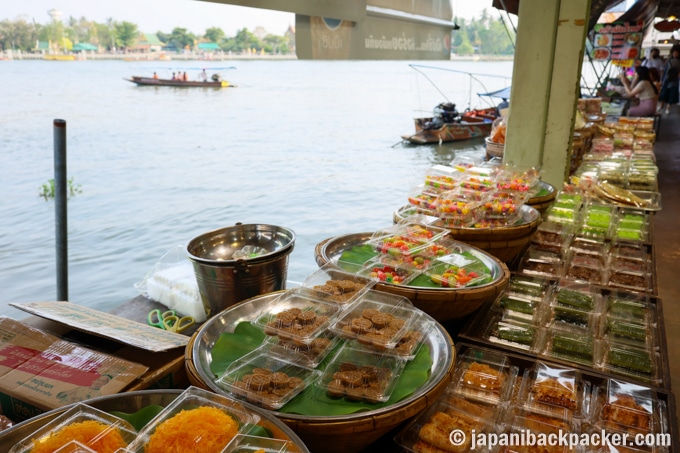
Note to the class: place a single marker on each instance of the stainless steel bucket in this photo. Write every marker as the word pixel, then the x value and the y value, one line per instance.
pixel 224 281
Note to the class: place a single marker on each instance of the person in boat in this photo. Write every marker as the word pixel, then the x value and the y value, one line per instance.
pixel 643 89
pixel 185 77
pixel 155 76
pixel 173 76
pixel 504 104
pixel 215 77
pixel 443 113
pixel 204 75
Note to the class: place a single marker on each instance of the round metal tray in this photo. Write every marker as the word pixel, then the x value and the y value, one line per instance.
pixel 346 433
pixel 132 402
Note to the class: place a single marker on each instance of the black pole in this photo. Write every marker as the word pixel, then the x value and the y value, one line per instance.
pixel 60 196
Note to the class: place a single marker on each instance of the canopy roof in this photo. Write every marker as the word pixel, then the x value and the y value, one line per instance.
pixel 644 10
pixel 84 46
pixel 503 93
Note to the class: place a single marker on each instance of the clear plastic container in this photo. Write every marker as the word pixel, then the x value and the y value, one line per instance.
pixel 360 375
pixel 556 392
pixel 573 345
pixel 477 184
pixel 421 198
pixel 630 234
pixel 541 263
pixel 630 307
pixel 334 285
pixel 442 177
pixel 502 208
pixel 458 271
pixel 75 447
pixel 519 308
pixel 388 273
pixel 266 380
pixel 296 316
pixel 638 334
pixel 85 424
pixel 308 355
pixel 639 363
pixel 484 375
pixel 378 320
pixel 459 208
pixel 627 406
pixel 422 259
pixel 464 162
pixel 430 431
pixel 531 288
pixel 513 333
pixel 569 216
pixel 576 296
pixel 182 423
pixel 629 250
pixel 631 281
pixel 585 268
pixel 552 237
pixel 561 316
pixel 524 422
pixel 628 265
pixel 517 179
pixel 575 200
pixel 409 343
pixel 255 444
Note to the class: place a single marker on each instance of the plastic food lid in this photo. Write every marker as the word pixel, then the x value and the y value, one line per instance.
pixel 178 422
pixel 359 375
pixel 266 380
pixel 295 315
pixel 80 420
pixel 328 283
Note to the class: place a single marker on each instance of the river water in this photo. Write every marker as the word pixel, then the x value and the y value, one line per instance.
pixel 313 146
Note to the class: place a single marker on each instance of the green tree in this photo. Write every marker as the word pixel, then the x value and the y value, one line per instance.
pixel 163 37
pixel 126 34
pixel 181 37
pixel 465 47
pixel 53 32
pixel 214 34
pixel 275 44
pixel 18 35
pixel 243 40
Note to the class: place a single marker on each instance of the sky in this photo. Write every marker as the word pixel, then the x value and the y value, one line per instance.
pixel 196 16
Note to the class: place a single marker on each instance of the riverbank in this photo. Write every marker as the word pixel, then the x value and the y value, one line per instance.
pixel 9 55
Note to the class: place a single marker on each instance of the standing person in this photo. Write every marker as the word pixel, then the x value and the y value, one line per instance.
pixel 155 76
pixel 669 81
pixel 654 60
pixel 642 89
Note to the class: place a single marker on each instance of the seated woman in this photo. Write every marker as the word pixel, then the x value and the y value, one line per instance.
pixel 642 89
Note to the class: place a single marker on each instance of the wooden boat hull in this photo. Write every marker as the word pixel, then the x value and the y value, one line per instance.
pixel 449 132
pixel 150 81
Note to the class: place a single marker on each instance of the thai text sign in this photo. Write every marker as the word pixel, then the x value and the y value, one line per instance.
pixel 617 41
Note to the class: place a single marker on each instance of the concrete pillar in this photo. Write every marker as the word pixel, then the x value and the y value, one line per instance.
pixel 545 85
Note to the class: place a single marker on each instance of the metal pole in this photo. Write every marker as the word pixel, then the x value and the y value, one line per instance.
pixel 60 196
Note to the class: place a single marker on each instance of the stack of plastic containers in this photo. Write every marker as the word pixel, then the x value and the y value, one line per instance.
pixel 470 195
pixel 499 402
pixel 607 330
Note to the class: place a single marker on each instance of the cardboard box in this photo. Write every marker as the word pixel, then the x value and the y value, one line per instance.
pixel 39 371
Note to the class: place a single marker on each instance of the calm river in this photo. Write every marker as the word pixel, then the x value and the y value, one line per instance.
pixel 310 145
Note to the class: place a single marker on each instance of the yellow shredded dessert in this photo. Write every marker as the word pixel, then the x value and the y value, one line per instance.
pixel 205 429
pixel 98 436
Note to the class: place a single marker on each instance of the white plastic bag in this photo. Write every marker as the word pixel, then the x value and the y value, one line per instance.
pixel 172 282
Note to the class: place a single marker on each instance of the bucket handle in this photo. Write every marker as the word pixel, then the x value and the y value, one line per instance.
pixel 241 266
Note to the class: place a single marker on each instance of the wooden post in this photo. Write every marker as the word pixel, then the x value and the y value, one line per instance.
pixel 545 85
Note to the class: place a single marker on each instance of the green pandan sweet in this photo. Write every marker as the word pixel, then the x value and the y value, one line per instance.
pixel 575 299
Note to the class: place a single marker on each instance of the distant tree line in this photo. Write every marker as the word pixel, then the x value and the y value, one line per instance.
pixel 483 35
pixel 23 35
